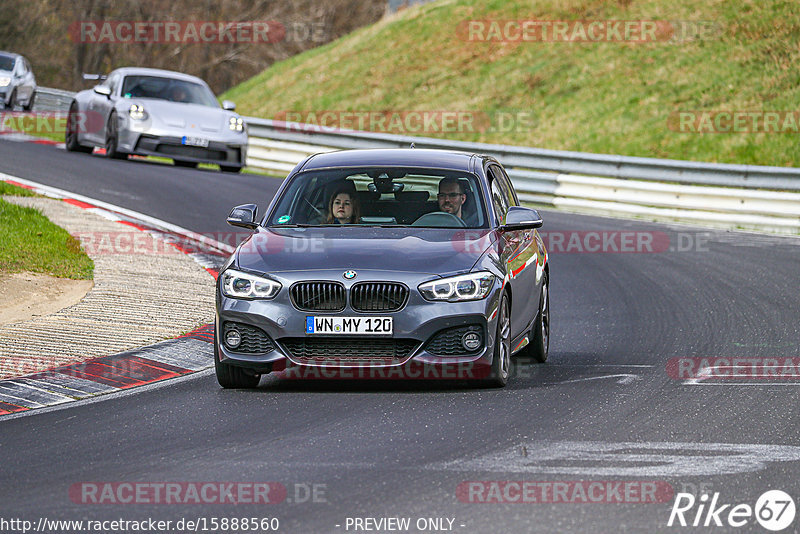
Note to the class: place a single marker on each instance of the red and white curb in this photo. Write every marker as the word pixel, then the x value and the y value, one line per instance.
pixel 173 358
pixel 169 359
pixel 20 137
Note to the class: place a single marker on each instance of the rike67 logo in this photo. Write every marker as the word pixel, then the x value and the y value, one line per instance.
pixel 774 510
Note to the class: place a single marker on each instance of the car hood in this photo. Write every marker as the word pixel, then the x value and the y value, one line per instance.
pixel 421 250
pixel 188 116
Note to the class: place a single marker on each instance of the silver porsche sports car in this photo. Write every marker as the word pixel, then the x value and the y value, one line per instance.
pixel 152 112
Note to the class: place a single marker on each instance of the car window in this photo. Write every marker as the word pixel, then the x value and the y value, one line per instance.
pixel 6 63
pixel 505 184
pixel 380 197
pixel 171 89
pixel 499 195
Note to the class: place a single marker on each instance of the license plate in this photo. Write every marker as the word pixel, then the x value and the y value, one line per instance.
pixel 194 141
pixel 349 325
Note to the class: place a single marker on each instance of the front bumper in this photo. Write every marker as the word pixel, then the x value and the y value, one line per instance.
pixel 145 140
pixel 415 327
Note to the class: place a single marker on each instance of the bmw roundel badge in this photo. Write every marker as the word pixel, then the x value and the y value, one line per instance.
pixel 349 275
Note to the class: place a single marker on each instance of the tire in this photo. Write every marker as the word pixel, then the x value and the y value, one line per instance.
pixel 29 105
pixel 231 377
pixel 187 164
pixel 12 103
pixel 539 335
pixel 112 139
pixel 501 358
pixel 71 133
pixel 230 168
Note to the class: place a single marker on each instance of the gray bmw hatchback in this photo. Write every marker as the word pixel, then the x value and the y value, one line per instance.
pixel 393 263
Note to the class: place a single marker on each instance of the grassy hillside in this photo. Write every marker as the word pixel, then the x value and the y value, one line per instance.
pixel 607 97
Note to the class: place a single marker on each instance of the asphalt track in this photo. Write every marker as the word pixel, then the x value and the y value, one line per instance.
pixel 604 408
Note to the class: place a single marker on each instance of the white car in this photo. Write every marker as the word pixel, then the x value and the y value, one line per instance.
pixel 152 112
pixel 17 83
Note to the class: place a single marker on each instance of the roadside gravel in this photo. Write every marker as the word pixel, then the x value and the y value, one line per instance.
pixel 141 295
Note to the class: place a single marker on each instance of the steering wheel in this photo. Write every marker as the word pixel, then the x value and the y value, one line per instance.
pixel 440 219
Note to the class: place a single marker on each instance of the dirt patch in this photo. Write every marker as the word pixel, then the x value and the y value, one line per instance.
pixel 27 295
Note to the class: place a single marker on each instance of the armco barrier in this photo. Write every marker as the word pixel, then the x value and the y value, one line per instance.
pixel 724 195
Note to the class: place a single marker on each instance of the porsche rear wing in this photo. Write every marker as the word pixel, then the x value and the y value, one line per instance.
pixel 94 77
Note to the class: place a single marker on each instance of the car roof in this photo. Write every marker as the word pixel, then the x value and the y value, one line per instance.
pixel 144 71
pixel 395 157
pixel 9 54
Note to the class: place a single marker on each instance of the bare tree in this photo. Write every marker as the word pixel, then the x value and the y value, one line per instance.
pixel 48 33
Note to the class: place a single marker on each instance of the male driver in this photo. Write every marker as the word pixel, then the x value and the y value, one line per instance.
pixel 179 94
pixel 451 195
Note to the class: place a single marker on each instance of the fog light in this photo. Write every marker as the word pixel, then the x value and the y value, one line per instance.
pixel 233 338
pixel 471 341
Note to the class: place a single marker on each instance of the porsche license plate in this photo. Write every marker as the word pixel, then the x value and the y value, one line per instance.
pixel 349 325
pixel 194 141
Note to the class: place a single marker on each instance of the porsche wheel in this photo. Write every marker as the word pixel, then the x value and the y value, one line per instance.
pixel 112 139
pixel 71 133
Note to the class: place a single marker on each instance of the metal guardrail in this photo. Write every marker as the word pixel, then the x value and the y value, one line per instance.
pixel 554 161
pixel 723 195
pixel 726 195
pixel 48 99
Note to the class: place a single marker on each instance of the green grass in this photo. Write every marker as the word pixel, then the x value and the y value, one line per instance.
pixel 45 127
pixel 30 242
pixel 610 97
pixel 13 190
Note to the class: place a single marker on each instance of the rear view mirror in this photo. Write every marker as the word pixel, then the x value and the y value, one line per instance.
pixel 244 216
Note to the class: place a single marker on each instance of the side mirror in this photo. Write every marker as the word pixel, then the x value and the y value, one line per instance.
pixel 519 218
pixel 227 105
pixel 244 216
pixel 102 90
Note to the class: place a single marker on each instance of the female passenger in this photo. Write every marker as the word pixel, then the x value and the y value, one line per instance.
pixel 343 208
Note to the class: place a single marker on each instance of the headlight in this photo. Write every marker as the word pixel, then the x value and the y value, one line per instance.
pixel 239 285
pixel 137 112
pixel 236 124
pixel 5 81
pixel 473 286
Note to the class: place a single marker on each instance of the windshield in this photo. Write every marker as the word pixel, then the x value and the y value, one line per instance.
pixel 381 196
pixel 6 63
pixel 161 88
